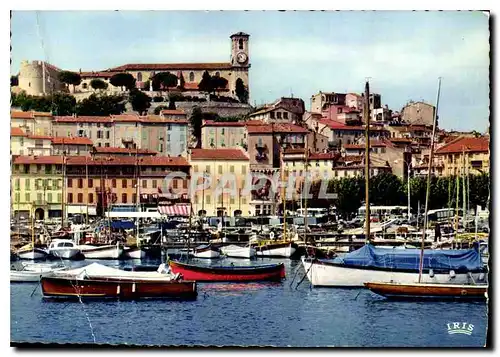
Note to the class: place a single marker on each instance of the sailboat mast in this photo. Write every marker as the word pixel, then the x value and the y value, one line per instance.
pixel 366 113
pixel 464 198
pixel 305 201
pixel 428 188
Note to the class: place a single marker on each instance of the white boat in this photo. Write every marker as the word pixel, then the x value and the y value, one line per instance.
pixel 20 272
pixel 133 253
pixel 32 253
pixel 111 251
pixel 206 252
pixel 285 250
pixel 96 270
pixel 235 251
pixel 64 249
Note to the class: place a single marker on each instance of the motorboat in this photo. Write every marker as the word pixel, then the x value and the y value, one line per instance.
pixel 276 249
pixel 235 251
pixel 133 252
pixel 64 249
pixel 28 252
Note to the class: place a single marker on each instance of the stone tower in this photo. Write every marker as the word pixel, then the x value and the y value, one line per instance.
pixel 240 60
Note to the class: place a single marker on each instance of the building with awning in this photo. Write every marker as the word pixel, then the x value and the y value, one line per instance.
pixel 179 210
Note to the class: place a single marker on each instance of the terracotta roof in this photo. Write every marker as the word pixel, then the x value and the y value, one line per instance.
pixel 40 137
pixel 21 115
pixel 38 160
pixel 294 151
pixel 119 150
pixel 125 118
pixel 102 74
pixel 218 154
pixel 323 156
pixel 223 123
pixel 400 140
pixel 42 114
pixel 82 119
pixel 170 66
pixel 467 144
pixel 14 131
pixel 172 112
pixel 60 140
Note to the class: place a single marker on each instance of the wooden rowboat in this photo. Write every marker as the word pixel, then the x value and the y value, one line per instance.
pixel 428 291
pixel 63 287
pixel 268 272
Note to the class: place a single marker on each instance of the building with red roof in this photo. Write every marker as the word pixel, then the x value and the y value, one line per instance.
pixel 469 154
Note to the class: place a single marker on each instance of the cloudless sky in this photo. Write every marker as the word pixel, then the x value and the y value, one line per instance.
pixel 402 52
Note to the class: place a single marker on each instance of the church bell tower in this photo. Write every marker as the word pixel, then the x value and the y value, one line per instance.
pixel 239 50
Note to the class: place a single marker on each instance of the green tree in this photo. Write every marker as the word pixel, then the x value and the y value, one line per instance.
pixel 241 91
pixel 195 120
pixel 206 83
pixel 98 84
pixel 63 104
pixel 182 82
pixel 164 80
pixel 68 78
pixel 386 189
pixel 14 81
pixel 140 101
pixel 123 80
pixel 159 108
pixel 101 105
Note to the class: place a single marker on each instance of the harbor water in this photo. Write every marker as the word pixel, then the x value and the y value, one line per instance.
pixel 250 314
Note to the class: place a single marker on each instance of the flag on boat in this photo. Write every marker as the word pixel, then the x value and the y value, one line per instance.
pixel 174 210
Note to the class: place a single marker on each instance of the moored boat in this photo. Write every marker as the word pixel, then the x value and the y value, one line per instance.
pixel 31 253
pixel 64 249
pixel 63 287
pixel 418 291
pixel 268 272
pixel 21 273
pixel 278 249
pixel 133 252
pixel 110 251
pixel 206 252
pixel 235 251
pixel 397 265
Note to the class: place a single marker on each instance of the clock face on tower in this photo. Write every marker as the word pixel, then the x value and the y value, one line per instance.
pixel 241 57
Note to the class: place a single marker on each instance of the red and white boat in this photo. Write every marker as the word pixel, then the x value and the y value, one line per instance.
pixel 268 272
pixel 99 281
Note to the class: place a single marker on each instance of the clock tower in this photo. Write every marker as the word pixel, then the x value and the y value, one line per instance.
pixel 239 50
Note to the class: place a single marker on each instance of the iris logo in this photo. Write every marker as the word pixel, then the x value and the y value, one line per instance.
pixel 460 327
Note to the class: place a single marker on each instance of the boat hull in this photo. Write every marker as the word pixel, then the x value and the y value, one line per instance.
pixel 207 254
pixel 338 275
pixel 239 252
pixel 102 252
pixel 285 250
pixel 272 272
pixel 34 254
pixel 134 253
pixel 428 291
pixel 53 287
pixel 67 253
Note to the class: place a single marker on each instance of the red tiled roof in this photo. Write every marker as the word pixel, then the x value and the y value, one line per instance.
pixel 82 119
pixel 323 156
pixel 61 140
pixel 38 160
pixel 42 114
pixel 21 115
pixel 223 123
pixel 170 66
pixel 400 140
pixel 17 132
pixel 218 154
pixel 119 150
pixel 467 144
pixel 40 137
pixel 172 112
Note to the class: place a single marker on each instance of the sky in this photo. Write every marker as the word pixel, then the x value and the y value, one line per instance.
pixel 295 53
